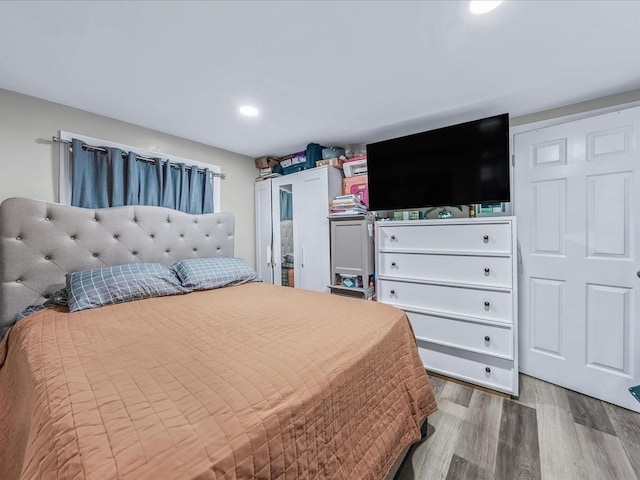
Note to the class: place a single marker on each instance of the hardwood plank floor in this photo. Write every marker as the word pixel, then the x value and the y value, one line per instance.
pixel 548 433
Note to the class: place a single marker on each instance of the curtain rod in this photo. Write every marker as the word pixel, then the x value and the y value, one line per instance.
pixel 138 157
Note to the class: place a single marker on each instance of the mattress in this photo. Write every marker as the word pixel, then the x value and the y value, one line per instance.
pixel 252 381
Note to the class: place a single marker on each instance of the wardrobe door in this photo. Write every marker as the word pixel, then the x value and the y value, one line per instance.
pixel 311 229
pixel 264 266
pixel 283 209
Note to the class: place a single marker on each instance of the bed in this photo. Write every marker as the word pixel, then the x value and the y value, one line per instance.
pixel 249 381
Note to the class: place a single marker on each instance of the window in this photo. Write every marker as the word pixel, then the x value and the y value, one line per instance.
pixel 65 164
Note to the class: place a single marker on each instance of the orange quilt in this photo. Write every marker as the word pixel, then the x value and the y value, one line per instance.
pixel 252 381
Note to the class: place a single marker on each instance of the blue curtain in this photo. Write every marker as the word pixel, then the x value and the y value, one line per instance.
pixel 113 178
pixel 286 205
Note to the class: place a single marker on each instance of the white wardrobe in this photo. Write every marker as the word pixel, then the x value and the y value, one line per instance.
pixel 297 241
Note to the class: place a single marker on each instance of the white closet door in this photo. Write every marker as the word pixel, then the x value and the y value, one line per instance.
pixel 276 241
pixel 264 266
pixel 311 229
pixel 577 188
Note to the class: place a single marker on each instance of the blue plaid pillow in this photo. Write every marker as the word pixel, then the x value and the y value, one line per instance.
pixel 123 283
pixel 209 273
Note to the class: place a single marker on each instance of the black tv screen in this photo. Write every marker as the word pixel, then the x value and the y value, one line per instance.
pixel 456 165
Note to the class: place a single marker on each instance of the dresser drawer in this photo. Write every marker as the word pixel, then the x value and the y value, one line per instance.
pixel 481 237
pixel 486 304
pixel 475 270
pixel 471 367
pixel 478 337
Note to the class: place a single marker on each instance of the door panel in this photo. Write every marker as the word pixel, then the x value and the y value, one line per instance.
pixel 576 199
pixel 310 194
pixel 264 266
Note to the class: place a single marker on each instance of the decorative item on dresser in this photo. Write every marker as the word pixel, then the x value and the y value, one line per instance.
pixel 457 281
pixel 302 198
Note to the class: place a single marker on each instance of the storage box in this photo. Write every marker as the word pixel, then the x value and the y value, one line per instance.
pixel 355 166
pixel 355 150
pixel 293 163
pixel 334 162
pixel 358 186
pixel 266 162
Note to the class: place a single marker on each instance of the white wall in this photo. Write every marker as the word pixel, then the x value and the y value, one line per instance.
pixel 29 160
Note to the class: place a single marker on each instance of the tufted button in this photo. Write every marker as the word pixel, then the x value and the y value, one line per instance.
pixel 47 297
pixel 47 257
pixel 95 254
pixel 46 218
pixel 72 237
pixel 218 248
pixel 116 236
pixel 134 253
pixel 18 238
pixel 195 249
pixel 153 236
pixel 95 219
pixel 181 235
pixel 135 220
pixel 167 250
pixel 167 220
pixel 195 221
pixel 19 280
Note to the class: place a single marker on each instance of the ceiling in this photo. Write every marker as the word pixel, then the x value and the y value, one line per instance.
pixel 326 72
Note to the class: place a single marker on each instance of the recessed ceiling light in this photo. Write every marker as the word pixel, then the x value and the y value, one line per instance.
pixel 249 111
pixel 483 6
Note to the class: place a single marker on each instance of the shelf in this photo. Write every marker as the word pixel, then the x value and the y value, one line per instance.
pixel 352 289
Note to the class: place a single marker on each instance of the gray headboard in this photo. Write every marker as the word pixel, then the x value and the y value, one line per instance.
pixel 40 242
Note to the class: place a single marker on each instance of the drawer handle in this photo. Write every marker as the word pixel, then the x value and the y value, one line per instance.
pixel 486 304
pixel 393 264
pixel 487 338
pixel 392 292
pixel 486 271
pixel 486 238
pixel 393 237
pixel 487 369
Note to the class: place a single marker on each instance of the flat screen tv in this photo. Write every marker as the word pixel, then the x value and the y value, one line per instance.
pixel 456 165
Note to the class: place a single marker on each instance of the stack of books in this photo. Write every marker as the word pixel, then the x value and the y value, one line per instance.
pixel 267 173
pixel 346 205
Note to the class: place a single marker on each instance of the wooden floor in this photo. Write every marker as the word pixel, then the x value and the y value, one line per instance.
pixel 549 433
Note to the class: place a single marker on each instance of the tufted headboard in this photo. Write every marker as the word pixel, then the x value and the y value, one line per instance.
pixel 40 242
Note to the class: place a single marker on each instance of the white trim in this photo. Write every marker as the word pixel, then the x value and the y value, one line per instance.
pixel 527 127
pixel 64 196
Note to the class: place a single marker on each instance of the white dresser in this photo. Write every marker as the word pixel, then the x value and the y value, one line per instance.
pixel 457 281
